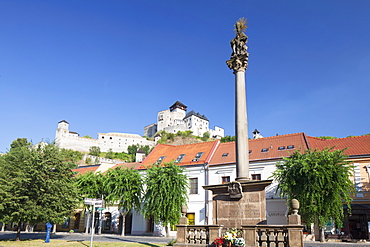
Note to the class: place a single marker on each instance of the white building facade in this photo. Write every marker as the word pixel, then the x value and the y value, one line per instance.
pixel 117 142
pixel 177 119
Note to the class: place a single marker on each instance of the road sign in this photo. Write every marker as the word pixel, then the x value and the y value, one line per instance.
pixel 94 201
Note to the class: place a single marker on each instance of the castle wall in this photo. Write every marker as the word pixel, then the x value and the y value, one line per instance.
pixel 118 142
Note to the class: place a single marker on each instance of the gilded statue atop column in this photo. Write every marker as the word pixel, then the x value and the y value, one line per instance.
pixel 239 57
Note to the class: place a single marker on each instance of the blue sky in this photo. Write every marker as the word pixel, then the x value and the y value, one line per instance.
pixel 110 66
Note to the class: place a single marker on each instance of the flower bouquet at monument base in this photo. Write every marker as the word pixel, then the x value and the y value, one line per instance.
pixel 231 238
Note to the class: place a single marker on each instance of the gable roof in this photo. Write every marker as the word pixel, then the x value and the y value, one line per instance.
pixel 82 170
pixel 132 165
pixel 357 145
pixel 197 114
pixel 172 152
pixel 297 141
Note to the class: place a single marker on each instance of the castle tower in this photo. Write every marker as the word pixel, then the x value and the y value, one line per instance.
pixel 178 107
pixel 61 132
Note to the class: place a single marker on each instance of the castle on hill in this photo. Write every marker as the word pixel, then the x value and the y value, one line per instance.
pixel 117 142
pixel 177 119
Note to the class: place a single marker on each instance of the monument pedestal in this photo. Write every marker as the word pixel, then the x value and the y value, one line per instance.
pixel 233 211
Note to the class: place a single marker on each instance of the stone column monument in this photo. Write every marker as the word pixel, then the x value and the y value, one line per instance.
pixel 241 202
pixel 238 63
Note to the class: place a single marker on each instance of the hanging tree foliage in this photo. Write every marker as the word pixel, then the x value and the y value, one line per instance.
pixel 166 193
pixel 320 181
pixel 124 187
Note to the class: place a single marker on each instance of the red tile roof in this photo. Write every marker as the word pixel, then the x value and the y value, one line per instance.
pixel 132 165
pixel 358 145
pixel 172 152
pixel 84 169
pixel 298 140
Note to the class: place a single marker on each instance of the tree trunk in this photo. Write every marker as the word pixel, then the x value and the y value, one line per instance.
pixel 322 234
pixel 123 224
pixel 54 228
pixel 18 236
pixel 87 223
pixel 29 228
pixel 3 226
pixel 167 229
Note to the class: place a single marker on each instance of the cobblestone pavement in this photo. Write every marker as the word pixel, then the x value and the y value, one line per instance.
pixel 143 239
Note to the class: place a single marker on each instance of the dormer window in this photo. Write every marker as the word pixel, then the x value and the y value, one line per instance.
pixel 160 160
pixel 225 154
pixel 290 147
pixel 281 148
pixel 198 156
pixel 178 160
pixel 250 151
pixel 264 150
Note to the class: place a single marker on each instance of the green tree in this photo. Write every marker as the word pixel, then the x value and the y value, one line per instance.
pixel 19 142
pixel 36 185
pixel 132 149
pixel 109 154
pixel 328 137
pixel 166 193
pixel 124 187
pixel 123 156
pixel 91 185
pixel 320 181
pixel 95 151
pixel 228 139
pixel 206 136
pixel 71 155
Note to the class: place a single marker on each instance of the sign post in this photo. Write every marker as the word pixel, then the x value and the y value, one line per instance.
pixel 95 203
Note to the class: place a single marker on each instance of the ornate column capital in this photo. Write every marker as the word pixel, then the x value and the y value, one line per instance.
pixel 239 57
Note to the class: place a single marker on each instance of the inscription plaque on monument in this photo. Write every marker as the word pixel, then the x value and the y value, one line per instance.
pixel 249 209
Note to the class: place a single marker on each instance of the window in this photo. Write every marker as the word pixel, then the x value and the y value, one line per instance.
pixel 110 138
pixel 281 148
pixel 290 147
pixel 178 160
pixel 250 151
pixel 225 179
pixel 191 218
pixel 263 150
pixel 256 176
pixel 102 137
pixel 160 160
pixel 193 185
pixel 198 156
pixel 225 154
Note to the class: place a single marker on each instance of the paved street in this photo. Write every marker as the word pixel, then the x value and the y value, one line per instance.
pixel 336 244
pixel 85 237
pixel 142 239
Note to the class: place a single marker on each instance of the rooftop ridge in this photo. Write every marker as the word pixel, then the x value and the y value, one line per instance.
pixel 277 136
pixel 348 137
pixel 171 145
